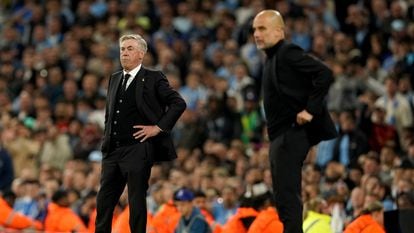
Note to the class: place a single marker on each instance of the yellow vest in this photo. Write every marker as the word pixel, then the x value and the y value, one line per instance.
pixel 317 223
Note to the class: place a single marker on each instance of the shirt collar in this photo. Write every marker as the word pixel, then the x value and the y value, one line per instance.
pixel 272 50
pixel 134 72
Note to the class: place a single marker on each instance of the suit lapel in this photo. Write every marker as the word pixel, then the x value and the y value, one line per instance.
pixel 139 89
pixel 113 88
pixel 144 106
pixel 139 94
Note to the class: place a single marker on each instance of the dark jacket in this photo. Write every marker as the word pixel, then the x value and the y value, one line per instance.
pixel 302 82
pixel 156 101
pixel 358 145
pixel 196 223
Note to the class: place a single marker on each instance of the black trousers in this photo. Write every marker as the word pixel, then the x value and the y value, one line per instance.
pixel 131 166
pixel 287 153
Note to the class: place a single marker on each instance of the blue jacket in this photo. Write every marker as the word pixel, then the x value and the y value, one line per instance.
pixel 196 223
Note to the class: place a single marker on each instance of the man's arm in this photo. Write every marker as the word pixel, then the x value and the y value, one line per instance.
pixel 320 74
pixel 174 102
pixel 175 107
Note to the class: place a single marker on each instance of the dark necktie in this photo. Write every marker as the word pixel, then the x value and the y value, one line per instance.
pixel 124 82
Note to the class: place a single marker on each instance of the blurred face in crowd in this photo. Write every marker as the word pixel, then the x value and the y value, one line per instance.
pixel 378 216
pixel 372 183
pixel 200 202
pixel 357 197
pixel 184 207
pixel 391 86
pixel 268 29
pixel 132 53
pixel 229 196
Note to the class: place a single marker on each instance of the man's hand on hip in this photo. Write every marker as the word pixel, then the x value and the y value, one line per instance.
pixel 146 131
pixel 303 117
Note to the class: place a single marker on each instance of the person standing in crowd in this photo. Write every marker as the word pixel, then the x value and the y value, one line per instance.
pixel 192 220
pixel 141 110
pixel 294 89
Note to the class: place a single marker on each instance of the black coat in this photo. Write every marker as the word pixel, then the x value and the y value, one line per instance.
pixel 303 83
pixel 156 101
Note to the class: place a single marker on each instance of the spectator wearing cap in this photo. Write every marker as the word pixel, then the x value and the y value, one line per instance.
pixel 191 221
pixel 371 220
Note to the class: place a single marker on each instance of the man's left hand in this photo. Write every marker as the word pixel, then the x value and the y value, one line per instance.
pixel 146 131
pixel 303 117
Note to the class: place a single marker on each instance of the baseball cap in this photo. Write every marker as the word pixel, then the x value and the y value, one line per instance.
pixel 183 194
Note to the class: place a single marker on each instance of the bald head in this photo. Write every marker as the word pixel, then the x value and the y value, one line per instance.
pixel 274 17
pixel 268 28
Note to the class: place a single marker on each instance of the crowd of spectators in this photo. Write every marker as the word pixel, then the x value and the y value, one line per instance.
pixel 56 57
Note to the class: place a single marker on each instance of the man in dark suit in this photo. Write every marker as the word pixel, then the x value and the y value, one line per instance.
pixel 294 90
pixel 141 110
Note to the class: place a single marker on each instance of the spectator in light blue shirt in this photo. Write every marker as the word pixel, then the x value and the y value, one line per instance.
pixel 225 206
pixel 193 92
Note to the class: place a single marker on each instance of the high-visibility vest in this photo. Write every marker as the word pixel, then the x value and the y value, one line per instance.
pixel 15 220
pixel 364 224
pixel 63 219
pixel 267 221
pixel 165 220
pixel 235 223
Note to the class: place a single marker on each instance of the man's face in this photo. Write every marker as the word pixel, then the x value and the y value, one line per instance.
pixel 266 32
pixel 200 202
pixel 184 207
pixel 131 54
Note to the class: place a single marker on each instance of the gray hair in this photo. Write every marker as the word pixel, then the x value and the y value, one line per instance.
pixel 141 42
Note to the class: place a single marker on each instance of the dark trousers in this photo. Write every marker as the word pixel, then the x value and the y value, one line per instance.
pixel 287 153
pixel 129 165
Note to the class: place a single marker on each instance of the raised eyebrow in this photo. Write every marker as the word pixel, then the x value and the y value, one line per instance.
pixel 259 27
pixel 128 47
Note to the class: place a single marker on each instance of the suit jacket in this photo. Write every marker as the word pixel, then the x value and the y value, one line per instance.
pixel 304 82
pixel 156 101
